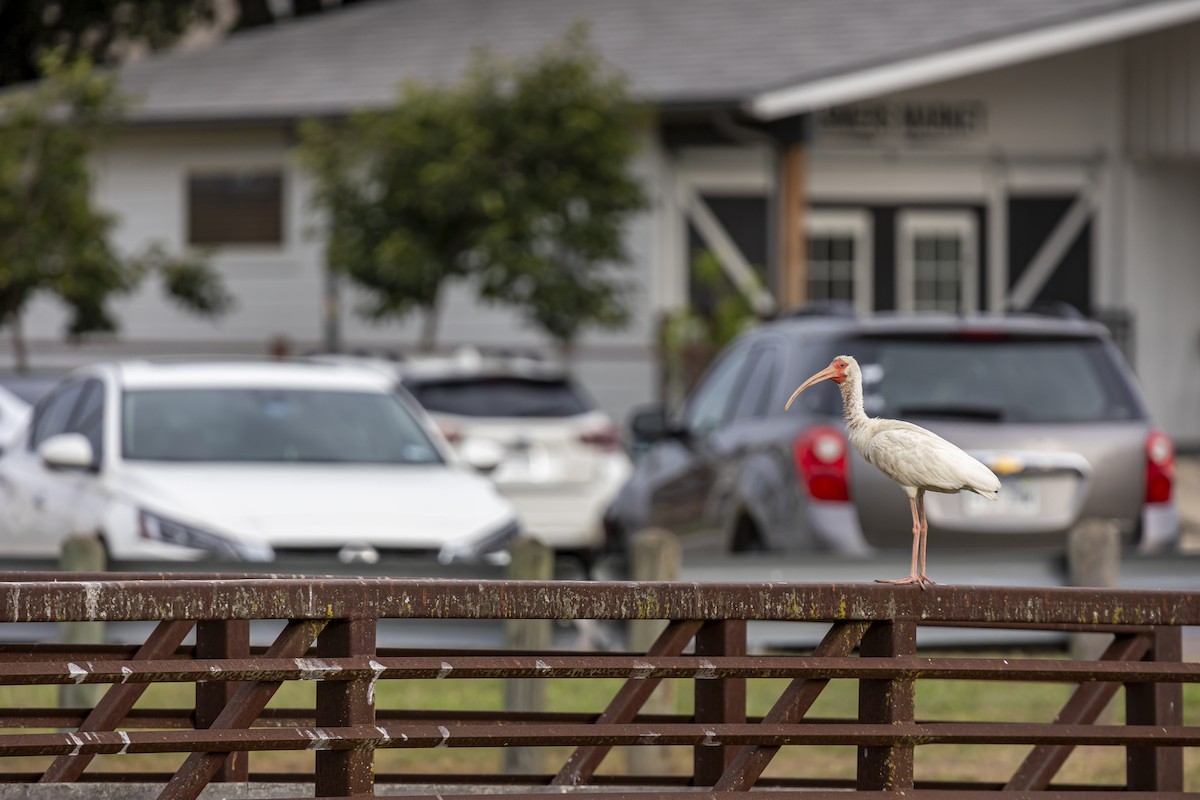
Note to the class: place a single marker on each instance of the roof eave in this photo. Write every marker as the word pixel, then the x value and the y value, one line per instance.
pixel 875 81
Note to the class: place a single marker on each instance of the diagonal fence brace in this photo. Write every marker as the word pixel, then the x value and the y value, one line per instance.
pixel 118 700
pixel 633 694
pixel 199 768
pixel 1082 708
pixel 792 705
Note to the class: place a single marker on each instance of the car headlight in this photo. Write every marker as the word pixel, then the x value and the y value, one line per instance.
pixel 474 549
pixel 168 531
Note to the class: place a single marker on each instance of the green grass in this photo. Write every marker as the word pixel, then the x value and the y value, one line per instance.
pixel 935 700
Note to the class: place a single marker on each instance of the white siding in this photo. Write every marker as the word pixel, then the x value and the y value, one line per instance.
pixel 279 291
pixel 1164 94
pixel 141 178
pixel 1163 285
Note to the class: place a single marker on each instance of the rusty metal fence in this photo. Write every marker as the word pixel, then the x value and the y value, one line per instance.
pixel 202 636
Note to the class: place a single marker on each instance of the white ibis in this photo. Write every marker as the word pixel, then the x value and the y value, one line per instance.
pixel 913 457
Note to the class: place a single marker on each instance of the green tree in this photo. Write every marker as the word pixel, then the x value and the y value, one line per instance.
pixel 52 239
pixel 566 134
pixel 518 178
pixel 692 336
pixel 106 30
pixel 407 199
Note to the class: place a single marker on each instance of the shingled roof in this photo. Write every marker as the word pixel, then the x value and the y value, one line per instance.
pixel 771 57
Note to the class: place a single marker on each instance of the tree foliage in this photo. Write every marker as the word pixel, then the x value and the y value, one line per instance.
pixel 518 177
pixel 52 238
pixel 104 31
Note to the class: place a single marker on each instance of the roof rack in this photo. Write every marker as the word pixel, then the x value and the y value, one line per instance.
pixel 823 308
pixel 1056 308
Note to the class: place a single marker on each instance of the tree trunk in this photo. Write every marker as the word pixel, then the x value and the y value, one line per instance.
pixel 20 351
pixel 253 14
pixel 429 324
pixel 566 351
pixel 303 8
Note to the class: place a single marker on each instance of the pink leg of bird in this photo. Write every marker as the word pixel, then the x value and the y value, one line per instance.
pixel 916 549
pixel 924 537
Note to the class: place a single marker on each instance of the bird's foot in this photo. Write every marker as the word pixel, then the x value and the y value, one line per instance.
pixel 901 581
pixel 926 581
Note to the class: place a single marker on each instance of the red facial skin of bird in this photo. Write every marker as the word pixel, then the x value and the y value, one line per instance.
pixel 917 459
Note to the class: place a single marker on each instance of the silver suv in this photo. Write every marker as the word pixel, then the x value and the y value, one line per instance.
pixel 1048 403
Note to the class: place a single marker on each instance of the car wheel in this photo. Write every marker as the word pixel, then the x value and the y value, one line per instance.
pixel 746 537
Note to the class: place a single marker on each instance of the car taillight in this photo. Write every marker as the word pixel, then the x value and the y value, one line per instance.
pixel 1160 467
pixel 821 463
pixel 452 432
pixel 606 438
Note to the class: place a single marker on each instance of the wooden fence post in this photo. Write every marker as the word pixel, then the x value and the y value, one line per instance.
pixel 531 561
pixel 82 554
pixel 222 638
pixel 718 700
pixel 654 555
pixel 346 773
pixel 886 768
pixel 1093 559
pixel 1156 769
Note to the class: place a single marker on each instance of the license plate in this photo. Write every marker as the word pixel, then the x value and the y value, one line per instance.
pixel 530 464
pixel 1018 498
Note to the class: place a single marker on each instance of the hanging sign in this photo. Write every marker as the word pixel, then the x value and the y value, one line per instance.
pixel 907 118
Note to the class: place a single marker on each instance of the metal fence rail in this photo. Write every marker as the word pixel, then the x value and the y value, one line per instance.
pixel 202 636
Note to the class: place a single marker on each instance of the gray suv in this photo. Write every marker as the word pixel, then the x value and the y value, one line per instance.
pixel 1048 403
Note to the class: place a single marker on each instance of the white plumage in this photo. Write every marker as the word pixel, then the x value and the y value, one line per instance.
pixel 917 459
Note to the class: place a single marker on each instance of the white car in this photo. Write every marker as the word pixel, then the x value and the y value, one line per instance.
pixel 535 432
pixel 242 460
pixel 14 414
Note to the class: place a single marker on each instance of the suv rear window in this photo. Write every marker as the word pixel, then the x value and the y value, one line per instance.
pixel 500 397
pixel 1007 379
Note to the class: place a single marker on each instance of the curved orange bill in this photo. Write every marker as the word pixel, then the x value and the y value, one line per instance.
pixel 823 375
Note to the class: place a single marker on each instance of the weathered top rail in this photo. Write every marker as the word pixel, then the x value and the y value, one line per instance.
pixel 34 598
pixel 330 637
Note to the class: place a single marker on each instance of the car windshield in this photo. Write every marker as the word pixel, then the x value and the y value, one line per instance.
pixel 272 425
pixel 30 388
pixel 500 397
pixel 1000 379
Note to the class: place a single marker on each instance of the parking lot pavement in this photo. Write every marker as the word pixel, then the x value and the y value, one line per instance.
pixel 1187 487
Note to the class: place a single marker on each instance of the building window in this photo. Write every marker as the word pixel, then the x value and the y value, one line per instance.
pixel 839 258
pixel 235 207
pixel 939 263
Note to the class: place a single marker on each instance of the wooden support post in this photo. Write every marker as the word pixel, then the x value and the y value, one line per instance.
pixel 792 290
pixel 225 638
pixel 531 561
pixel 346 773
pixel 887 768
pixel 654 555
pixel 82 554
pixel 1093 559
pixel 719 700
pixel 1156 769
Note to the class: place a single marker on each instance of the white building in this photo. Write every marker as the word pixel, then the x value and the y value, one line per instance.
pixel 1036 150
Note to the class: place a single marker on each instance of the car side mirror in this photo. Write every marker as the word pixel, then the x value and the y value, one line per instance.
pixel 650 424
pixel 67 451
pixel 481 454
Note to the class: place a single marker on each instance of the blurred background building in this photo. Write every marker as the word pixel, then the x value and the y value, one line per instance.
pixel 962 156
